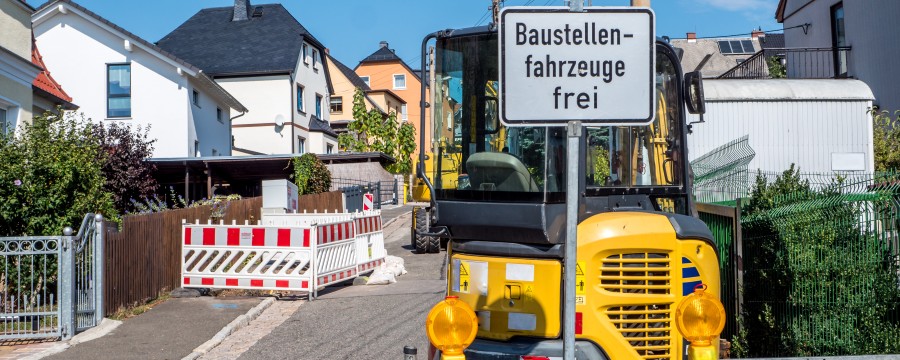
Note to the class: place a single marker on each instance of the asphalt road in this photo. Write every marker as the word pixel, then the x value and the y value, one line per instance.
pixel 363 322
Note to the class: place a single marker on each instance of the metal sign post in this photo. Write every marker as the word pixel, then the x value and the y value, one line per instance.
pixel 576 67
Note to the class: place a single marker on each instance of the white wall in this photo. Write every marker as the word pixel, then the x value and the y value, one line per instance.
pixel 78 51
pixel 318 143
pixel 266 97
pixel 312 77
pixel 213 133
pixel 808 130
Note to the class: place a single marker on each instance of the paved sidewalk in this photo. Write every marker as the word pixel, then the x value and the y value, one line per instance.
pixel 170 330
pixel 20 349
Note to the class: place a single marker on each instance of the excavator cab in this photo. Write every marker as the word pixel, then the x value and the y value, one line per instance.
pixel 499 199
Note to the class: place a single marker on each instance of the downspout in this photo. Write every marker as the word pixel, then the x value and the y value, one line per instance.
pixel 231 130
pixel 293 113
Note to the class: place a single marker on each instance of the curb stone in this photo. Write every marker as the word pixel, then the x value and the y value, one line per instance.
pixel 234 325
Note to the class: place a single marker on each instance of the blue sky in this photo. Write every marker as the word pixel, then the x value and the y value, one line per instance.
pixel 352 29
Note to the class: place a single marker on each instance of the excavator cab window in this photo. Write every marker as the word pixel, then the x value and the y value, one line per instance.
pixel 478 158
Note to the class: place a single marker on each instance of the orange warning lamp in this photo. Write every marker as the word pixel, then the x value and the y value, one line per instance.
pixel 451 327
pixel 700 317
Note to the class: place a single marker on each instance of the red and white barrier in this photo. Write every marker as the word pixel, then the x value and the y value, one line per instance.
pixel 291 252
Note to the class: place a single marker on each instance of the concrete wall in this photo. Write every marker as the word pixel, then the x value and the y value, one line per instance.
pixel 214 134
pixel 820 125
pixel 78 50
pixel 266 97
pixel 16 72
pixel 15 25
pixel 874 43
pixel 310 73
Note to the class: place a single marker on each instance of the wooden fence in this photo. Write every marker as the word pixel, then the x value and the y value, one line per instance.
pixel 329 201
pixel 144 257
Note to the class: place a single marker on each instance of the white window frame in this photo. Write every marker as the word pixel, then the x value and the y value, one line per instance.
pixel 403 112
pixel 329 148
pixel 365 79
pixel 301 145
pixel 195 98
pixel 220 115
pixel 331 102
pixel 300 91
pixel 197 148
pixel 12 114
pixel 320 100
pixel 305 54
pixel 394 79
pixel 315 59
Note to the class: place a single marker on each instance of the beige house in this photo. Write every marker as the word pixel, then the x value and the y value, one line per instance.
pixel 345 83
pixel 17 72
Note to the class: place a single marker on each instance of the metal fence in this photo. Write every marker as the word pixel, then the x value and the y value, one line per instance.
pixel 385 192
pixel 725 224
pixel 51 286
pixel 821 268
pixel 793 63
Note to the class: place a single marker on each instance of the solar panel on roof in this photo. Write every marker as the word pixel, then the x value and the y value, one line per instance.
pixel 724 47
pixel 748 46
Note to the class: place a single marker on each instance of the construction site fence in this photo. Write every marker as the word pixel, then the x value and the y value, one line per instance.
pixel 813 272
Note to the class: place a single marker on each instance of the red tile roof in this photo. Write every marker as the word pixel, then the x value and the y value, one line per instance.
pixel 44 81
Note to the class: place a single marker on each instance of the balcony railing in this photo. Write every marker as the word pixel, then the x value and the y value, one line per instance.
pixel 794 63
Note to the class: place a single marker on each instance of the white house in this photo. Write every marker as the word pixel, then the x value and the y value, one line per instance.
pixel 269 61
pixel 117 76
pixel 855 39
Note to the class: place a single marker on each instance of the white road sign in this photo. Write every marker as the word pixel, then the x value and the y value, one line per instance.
pixel 595 66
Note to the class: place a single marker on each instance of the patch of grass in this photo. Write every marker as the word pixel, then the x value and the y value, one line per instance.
pixel 137 309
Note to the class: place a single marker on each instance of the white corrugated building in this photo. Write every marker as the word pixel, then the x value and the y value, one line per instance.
pixel 822 126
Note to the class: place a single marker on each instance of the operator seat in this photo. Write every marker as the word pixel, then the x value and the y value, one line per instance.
pixel 493 171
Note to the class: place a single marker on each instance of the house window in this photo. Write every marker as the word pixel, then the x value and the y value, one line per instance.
pixel 839 39
pixel 301 145
pixel 319 106
pixel 337 104
pixel 219 115
pixel 3 121
pixel 329 149
pixel 300 98
pixel 195 98
pixel 365 79
pixel 197 148
pixel 305 54
pixel 118 90
pixel 315 59
pixel 403 112
pixel 399 81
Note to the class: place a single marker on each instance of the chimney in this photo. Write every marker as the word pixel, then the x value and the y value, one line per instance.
pixel 640 3
pixel 328 52
pixel 383 44
pixel 756 34
pixel 692 37
pixel 241 10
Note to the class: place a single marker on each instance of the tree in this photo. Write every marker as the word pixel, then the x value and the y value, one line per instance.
pixel 52 175
pixel 128 175
pixel 886 140
pixel 372 130
pixel 310 175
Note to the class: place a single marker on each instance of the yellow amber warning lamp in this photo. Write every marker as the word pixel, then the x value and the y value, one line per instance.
pixel 451 327
pixel 700 318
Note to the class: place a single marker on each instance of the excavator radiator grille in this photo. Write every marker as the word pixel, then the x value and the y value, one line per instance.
pixel 648 328
pixel 636 273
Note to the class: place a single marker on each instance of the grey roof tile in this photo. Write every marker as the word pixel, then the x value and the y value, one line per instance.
pixel 270 43
pixel 349 74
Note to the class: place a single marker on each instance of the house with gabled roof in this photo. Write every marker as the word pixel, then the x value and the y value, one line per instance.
pixel 345 83
pixel 264 57
pixel 117 76
pixel 384 70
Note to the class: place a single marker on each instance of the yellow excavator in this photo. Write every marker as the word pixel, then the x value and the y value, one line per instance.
pixel 647 275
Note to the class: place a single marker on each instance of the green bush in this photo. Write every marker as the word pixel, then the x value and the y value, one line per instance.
pixel 51 176
pixel 818 274
pixel 311 175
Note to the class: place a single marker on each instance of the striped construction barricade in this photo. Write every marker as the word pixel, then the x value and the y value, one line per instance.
pixel 248 257
pixel 369 241
pixel 289 252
